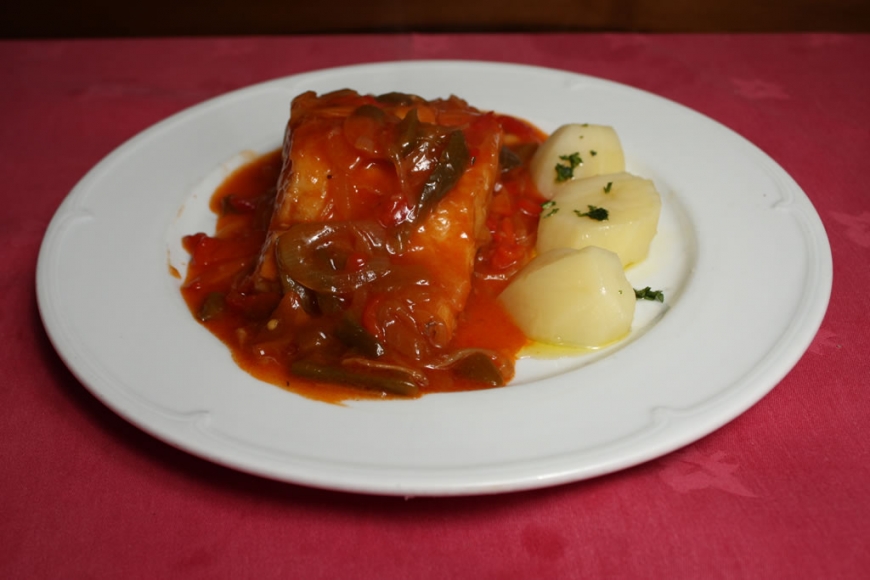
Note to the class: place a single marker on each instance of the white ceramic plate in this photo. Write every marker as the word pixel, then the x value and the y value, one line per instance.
pixel 741 256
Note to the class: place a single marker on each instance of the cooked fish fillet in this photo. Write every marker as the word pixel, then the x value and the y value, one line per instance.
pixel 381 209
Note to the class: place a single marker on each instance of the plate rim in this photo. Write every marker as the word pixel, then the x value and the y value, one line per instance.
pixel 810 323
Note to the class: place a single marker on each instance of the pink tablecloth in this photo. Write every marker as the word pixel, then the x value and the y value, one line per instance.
pixel 781 492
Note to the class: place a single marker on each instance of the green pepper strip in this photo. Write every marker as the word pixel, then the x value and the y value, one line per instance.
pixel 408 131
pixel 352 334
pixel 331 374
pixel 451 165
pixel 479 367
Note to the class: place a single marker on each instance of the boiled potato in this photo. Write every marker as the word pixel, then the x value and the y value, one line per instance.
pixel 572 297
pixel 575 152
pixel 575 218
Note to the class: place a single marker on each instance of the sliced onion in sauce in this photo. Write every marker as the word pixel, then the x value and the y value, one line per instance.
pixel 315 255
pixel 476 364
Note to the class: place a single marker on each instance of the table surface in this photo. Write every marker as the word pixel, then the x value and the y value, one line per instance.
pixel 780 492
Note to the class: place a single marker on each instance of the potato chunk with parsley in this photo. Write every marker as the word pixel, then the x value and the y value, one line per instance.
pixel 618 212
pixel 572 297
pixel 575 151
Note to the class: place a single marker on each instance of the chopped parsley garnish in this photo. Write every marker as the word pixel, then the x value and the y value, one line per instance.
pixel 593 152
pixel 608 186
pixel 551 206
pixel 565 171
pixel 596 213
pixel 649 294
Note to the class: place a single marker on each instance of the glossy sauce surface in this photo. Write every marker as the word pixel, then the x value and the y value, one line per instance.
pixel 277 339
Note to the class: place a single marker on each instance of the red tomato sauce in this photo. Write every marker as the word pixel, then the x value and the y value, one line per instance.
pixel 260 327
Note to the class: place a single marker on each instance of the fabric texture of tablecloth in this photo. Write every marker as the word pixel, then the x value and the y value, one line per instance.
pixel 780 492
